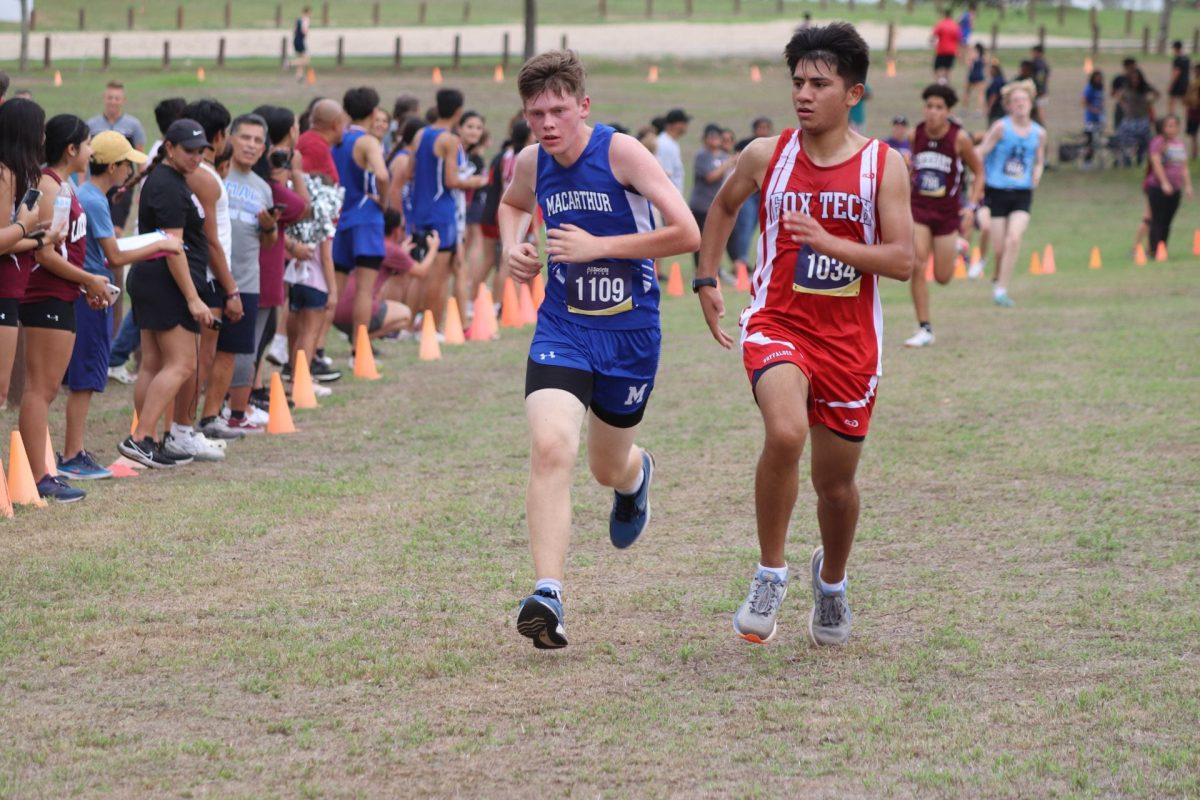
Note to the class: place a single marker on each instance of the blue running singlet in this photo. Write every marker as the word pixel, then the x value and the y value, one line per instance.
pixel 433 205
pixel 610 294
pixel 1010 163
pixel 357 208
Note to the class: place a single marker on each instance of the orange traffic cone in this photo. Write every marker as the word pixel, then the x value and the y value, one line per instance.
pixel 742 283
pixel 1035 264
pixel 976 254
pixel 200 74
pixel 652 74
pixel 310 77
pixel 510 315
pixel 22 489
pixel 57 78
pixel 929 268
pixel 483 327
pixel 430 351
pixel 364 359
pixel 6 508
pixel 1139 255
pixel 960 267
pixel 525 306
pixel 437 75
pixel 498 74
pixel 51 461
pixel 279 418
pixel 891 67
pixel 1196 242
pixel 302 385
pixel 755 74
pixel 539 290
pixel 1048 266
pixel 675 281
pixel 1094 261
pixel 454 328
pixel 1160 252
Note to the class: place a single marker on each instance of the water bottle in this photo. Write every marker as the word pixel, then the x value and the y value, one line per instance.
pixel 62 208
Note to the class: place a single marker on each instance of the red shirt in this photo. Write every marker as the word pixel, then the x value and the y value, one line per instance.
pixel 317 155
pixel 948 36
pixel 271 260
pixel 819 303
pixel 44 284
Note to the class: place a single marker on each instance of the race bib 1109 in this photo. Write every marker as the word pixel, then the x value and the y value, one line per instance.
pixel 599 289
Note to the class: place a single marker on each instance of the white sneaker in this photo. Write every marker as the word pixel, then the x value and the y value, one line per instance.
pixel 975 271
pixel 189 445
pixel 122 374
pixel 205 449
pixel 256 416
pixel 922 338
pixel 320 390
pixel 218 443
pixel 219 430
pixel 277 352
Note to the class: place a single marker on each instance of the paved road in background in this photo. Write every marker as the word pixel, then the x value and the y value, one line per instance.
pixel 613 41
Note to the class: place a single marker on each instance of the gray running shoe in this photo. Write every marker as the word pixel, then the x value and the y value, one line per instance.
pixel 755 618
pixel 829 623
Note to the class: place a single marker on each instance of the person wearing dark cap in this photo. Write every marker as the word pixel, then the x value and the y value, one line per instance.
pixel 165 291
pixel 675 125
pixel 711 167
pixel 901 139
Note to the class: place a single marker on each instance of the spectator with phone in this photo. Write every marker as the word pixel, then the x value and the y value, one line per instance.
pixel 167 305
pixel 21 125
pixel 113 161
pixel 47 310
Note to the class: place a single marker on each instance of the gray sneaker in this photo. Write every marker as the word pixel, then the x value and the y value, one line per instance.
pixel 829 623
pixel 755 618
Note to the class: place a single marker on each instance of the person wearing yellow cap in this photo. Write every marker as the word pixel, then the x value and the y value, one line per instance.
pixel 113 161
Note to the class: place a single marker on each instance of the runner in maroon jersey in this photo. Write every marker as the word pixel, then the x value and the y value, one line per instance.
pixel 940 148
pixel 835 217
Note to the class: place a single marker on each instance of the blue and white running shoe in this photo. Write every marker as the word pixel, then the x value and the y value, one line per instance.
pixel 58 490
pixel 631 512
pixel 541 619
pixel 82 467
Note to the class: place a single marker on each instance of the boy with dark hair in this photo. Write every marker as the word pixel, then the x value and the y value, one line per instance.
pixel 595 352
pixel 1181 65
pixel 940 148
pixel 836 218
pixel 358 244
pixel 434 170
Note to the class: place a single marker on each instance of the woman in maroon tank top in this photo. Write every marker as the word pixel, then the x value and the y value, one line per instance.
pixel 22 126
pixel 48 308
pixel 940 149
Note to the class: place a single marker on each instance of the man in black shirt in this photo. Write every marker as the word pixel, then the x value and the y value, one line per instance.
pixel 1129 66
pixel 1181 65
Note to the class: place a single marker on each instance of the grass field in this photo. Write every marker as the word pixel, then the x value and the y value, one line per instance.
pixel 331 614
pixel 112 14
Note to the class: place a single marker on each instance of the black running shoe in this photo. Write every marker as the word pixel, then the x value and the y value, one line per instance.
pixel 323 373
pixel 146 452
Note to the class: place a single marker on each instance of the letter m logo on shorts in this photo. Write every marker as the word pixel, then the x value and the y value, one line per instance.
pixel 637 394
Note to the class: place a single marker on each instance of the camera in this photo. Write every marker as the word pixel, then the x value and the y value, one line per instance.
pixel 420 244
pixel 280 159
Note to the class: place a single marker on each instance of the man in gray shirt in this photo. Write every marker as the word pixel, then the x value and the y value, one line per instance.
pixel 252 225
pixel 114 117
pixel 712 165
pixel 675 126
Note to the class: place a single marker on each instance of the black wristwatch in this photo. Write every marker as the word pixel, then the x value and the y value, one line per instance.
pixel 698 283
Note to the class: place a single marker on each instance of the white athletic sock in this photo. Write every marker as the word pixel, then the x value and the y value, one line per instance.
pixel 832 588
pixel 636 486
pixel 178 430
pixel 999 291
pixel 781 573
pixel 549 585
pixel 280 340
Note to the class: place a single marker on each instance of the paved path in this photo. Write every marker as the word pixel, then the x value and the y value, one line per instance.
pixel 614 41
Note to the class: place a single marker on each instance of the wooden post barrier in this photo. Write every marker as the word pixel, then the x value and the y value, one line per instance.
pixel 107 52
pixel 279 15
pixel 397 53
pixel 422 10
pixel 1041 35
pixel 166 61
pixel 457 49
pixel 602 8
pixel 1128 21
pixel 325 15
pixel 467 11
pixel 33 19
pixel 891 40
pixel 562 43
pixel 341 51
pixel 179 17
pixel 1095 39
pixel 504 51
pixel 129 18
pixel 995 37
pixel 283 51
pixel 649 9
pixel 1146 40
pixel 46 53
pixel 375 14
pixel 82 19
pixel 228 14
pixel 221 52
